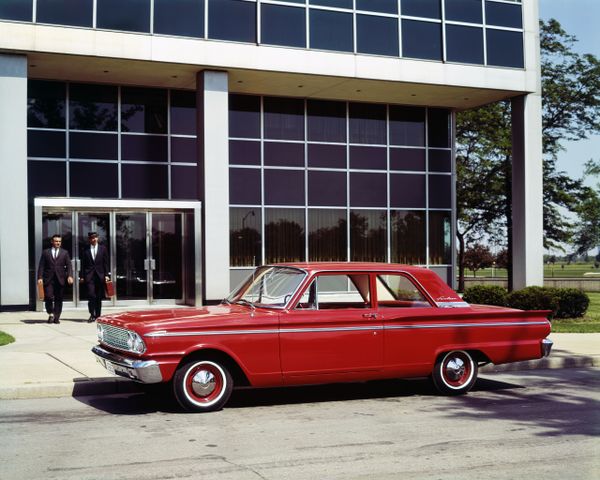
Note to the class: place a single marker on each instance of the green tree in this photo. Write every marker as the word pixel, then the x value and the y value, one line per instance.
pixel 477 257
pixel 587 232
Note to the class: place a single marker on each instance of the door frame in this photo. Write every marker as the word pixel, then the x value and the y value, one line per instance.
pixel 99 205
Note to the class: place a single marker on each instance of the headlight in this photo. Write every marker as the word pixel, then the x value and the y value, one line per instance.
pixel 100 332
pixel 135 343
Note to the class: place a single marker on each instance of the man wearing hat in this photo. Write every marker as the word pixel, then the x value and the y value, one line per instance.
pixel 54 271
pixel 95 271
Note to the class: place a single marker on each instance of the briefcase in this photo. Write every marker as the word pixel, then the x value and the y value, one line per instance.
pixel 110 289
pixel 40 289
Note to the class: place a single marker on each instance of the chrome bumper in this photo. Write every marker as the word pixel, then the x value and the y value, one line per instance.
pixel 546 347
pixel 144 371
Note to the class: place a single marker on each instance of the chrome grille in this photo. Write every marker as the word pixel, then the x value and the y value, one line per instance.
pixel 115 337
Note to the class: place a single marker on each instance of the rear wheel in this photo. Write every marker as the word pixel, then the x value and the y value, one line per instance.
pixel 454 373
pixel 202 385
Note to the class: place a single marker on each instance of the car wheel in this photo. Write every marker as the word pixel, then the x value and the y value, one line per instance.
pixel 202 385
pixel 454 373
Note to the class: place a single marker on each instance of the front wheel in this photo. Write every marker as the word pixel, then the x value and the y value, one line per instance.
pixel 202 385
pixel 454 373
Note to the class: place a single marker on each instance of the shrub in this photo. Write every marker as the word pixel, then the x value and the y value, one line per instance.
pixel 534 298
pixel 486 295
pixel 573 303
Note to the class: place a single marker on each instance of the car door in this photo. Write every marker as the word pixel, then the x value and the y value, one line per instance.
pixel 333 333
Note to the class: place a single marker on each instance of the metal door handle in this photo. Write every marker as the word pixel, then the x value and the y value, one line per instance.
pixel 78 264
pixel 369 315
pixel 153 264
pixel 146 264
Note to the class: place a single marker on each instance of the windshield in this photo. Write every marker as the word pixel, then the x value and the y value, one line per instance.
pixel 268 287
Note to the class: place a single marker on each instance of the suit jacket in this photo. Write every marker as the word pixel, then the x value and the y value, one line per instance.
pixel 100 267
pixel 50 267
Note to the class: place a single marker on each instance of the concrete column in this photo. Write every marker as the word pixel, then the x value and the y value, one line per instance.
pixel 212 102
pixel 527 191
pixel 14 266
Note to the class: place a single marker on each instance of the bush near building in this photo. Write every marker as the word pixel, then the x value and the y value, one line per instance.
pixel 5 338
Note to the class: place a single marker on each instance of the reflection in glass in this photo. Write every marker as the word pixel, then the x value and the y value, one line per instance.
pixel 284 118
pixel 284 235
pixel 92 107
pixel 408 237
pixel 382 6
pixel 377 35
pixel 167 255
pixel 421 40
pixel 504 48
pixel 92 222
pixel 244 237
pixel 45 104
pixel 283 26
pixel 503 14
pixel 421 8
pixel 16 10
pixel 132 279
pixel 127 15
pixel 331 30
pixel 327 235
pixel 232 20
pixel 368 235
pixel 244 116
pixel 326 121
pixel 332 3
pixel 368 123
pixel 183 112
pixel 59 223
pixel 143 110
pixel 463 10
pixel 65 12
pixel 407 126
pixel 440 238
pixel 464 44
pixel 179 17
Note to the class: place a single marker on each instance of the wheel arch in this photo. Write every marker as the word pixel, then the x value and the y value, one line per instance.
pixel 240 379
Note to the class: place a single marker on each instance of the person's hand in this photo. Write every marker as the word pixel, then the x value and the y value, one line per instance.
pixel 40 281
pixel 107 279
pixel 81 280
pixel 70 280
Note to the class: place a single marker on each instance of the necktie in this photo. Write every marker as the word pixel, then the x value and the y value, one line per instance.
pixel 54 253
pixel 94 253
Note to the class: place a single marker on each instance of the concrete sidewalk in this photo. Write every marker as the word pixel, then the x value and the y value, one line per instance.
pixel 48 360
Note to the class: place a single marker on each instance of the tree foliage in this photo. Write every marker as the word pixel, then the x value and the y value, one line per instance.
pixel 477 257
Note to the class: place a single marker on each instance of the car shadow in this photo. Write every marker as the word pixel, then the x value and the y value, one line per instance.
pixel 62 320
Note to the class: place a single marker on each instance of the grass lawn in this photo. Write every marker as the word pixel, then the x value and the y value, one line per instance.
pixel 590 323
pixel 5 338
pixel 558 270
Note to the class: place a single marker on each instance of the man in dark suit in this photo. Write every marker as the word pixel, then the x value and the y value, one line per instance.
pixel 54 271
pixel 95 271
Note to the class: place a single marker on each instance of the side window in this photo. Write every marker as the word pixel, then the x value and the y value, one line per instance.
pixel 397 291
pixel 328 292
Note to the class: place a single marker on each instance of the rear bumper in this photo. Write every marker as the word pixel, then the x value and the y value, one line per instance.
pixel 546 347
pixel 144 371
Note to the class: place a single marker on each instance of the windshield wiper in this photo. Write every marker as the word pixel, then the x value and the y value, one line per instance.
pixel 243 301
pixel 226 301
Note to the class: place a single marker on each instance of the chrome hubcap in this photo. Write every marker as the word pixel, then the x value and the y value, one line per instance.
pixel 455 369
pixel 203 383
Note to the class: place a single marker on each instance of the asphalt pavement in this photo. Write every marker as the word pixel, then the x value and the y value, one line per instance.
pixel 55 360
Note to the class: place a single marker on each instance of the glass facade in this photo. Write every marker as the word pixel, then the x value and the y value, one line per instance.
pixel 107 141
pixel 480 32
pixel 337 181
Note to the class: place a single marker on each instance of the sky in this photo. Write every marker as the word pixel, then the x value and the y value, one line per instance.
pixel 578 18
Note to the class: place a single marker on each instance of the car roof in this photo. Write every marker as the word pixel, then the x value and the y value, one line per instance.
pixel 313 267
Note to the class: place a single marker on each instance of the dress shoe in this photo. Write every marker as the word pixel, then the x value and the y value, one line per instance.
pixel 50 318
pixel 91 319
pixel 56 320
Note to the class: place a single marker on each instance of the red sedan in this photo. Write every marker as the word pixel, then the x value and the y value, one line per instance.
pixel 311 323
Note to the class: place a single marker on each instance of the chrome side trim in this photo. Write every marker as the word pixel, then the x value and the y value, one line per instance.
pixel 338 329
pixel 144 371
pixel 546 347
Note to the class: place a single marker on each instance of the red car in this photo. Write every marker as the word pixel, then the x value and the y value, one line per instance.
pixel 311 323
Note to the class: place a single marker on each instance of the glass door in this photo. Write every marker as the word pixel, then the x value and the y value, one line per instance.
pixel 61 223
pixel 132 256
pixel 167 257
pixel 98 222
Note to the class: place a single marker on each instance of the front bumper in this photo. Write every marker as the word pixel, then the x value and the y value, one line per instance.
pixel 546 347
pixel 144 371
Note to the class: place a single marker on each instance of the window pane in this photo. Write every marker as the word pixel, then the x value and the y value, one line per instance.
pixel 183 112
pixel 179 17
pixel 144 110
pixel 397 291
pixel 244 186
pixel 332 3
pixel 331 30
pixel 65 12
pixel 439 127
pixel 327 156
pixel 368 123
pixel 284 235
pixel 408 237
pixel 464 44
pixel 184 150
pixel 284 118
pixel 232 20
pixel 383 6
pixel 17 10
pixel 105 183
pixel 46 144
pixel 45 104
pixel 283 26
pixel 368 190
pixel 327 237
pixel 407 191
pixel 284 154
pixel 327 189
pixel 411 159
pixel 440 191
pixel 284 187
pixel 244 237
pixel 368 235
pixel 326 121
pixel 244 153
pixel 464 10
pixel 144 148
pixel 368 158
pixel 407 126
pixel 377 35
pixel 504 49
pixel 421 40
pixel 184 183
pixel 144 181
pixel 93 107
pixel 440 161
pixel 503 14
pixel 98 146
pixel 46 179
pixel 421 8
pixel 244 116
pixel 440 238
pixel 128 15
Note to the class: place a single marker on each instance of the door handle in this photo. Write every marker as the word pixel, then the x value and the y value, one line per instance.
pixel 370 315
pixel 153 264
pixel 78 264
pixel 146 264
